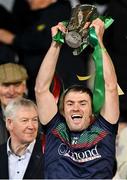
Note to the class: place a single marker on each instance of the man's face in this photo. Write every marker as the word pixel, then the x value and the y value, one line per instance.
pixel 37 4
pixel 23 128
pixel 77 110
pixel 9 91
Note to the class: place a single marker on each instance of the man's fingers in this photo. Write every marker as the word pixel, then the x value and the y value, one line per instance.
pixel 60 27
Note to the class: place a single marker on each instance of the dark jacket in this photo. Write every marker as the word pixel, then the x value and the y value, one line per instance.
pixel 35 166
pixel 7 53
pixel 3 129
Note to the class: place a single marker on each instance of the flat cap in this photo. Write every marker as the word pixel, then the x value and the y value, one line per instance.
pixel 11 73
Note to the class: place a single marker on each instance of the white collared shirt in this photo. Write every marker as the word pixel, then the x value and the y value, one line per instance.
pixel 18 164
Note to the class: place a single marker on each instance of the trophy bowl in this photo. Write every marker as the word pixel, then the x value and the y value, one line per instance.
pixel 76 34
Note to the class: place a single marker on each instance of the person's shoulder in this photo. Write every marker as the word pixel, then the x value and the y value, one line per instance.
pixel 103 123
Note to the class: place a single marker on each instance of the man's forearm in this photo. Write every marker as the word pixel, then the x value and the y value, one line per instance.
pixel 108 68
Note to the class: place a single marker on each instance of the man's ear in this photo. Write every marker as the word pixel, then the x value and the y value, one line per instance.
pixel 92 118
pixel 25 88
pixel 9 124
pixel 63 114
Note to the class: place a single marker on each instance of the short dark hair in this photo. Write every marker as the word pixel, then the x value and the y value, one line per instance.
pixel 74 88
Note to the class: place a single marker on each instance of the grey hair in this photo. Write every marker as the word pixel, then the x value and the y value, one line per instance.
pixel 15 105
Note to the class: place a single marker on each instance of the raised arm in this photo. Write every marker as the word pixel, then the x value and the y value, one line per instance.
pixel 47 105
pixel 110 109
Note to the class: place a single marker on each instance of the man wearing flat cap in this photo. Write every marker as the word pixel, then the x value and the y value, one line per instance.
pixel 12 85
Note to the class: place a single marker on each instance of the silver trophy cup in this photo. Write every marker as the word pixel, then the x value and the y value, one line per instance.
pixel 76 34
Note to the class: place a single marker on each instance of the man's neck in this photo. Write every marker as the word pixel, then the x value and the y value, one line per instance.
pixel 18 149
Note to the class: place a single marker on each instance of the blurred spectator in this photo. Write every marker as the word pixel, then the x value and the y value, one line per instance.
pixel 121 147
pixel 12 85
pixel 33 40
pixel 7 53
pixel 20 12
pixel 21 157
